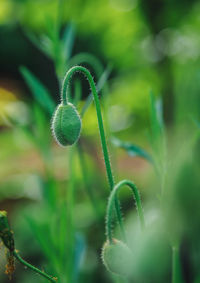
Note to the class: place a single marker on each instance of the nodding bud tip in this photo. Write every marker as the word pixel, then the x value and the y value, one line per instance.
pixel 117 258
pixel 66 124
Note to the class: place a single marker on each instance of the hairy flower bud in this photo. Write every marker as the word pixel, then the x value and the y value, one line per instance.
pixel 117 258
pixel 66 124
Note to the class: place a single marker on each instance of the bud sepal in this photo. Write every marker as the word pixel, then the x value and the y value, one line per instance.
pixel 66 124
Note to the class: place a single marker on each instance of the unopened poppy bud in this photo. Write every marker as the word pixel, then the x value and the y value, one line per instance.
pixel 66 124
pixel 117 258
pixel 5 233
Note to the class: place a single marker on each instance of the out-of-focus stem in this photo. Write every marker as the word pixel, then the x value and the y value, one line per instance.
pixel 176 266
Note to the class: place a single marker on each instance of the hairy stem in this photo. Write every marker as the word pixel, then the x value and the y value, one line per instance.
pixel 70 215
pixel 25 263
pixel 102 75
pixel 101 127
pixel 88 59
pixel 100 86
pixel 111 200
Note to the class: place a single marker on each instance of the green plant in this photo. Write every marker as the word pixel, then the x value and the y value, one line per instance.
pixel 158 158
pixel 62 126
pixel 66 232
pixel 116 255
pixel 60 210
pixel 63 132
pixel 7 237
pixel 111 199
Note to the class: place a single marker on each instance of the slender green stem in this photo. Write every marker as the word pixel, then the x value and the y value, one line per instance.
pixel 101 127
pixel 70 215
pixel 88 59
pixel 82 161
pixel 100 86
pixel 111 199
pixel 174 264
pixel 25 263
pixel 176 267
pixel 99 72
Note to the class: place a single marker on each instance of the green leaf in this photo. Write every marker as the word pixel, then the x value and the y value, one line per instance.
pixel 42 235
pixel 42 132
pixel 68 40
pixel 196 122
pixel 39 91
pixel 43 43
pixel 80 248
pixel 132 150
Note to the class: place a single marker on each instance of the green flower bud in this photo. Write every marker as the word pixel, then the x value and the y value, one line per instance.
pixel 66 124
pixel 5 233
pixel 117 258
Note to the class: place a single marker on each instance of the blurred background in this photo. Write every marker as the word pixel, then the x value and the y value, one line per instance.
pixel 133 48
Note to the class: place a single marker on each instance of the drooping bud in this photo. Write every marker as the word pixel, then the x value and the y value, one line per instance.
pixel 117 258
pixel 66 124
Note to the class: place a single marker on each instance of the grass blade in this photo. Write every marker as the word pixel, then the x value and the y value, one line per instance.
pixel 131 149
pixel 68 40
pixel 39 91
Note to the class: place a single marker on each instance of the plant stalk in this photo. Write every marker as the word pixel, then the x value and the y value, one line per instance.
pixel 176 267
pixel 101 128
pixel 30 266
pixel 111 199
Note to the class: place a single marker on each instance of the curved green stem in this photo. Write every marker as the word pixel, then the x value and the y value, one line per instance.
pixel 83 166
pixel 102 75
pixel 25 263
pixel 100 86
pixel 88 59
pixel 111 200
pixel 101 127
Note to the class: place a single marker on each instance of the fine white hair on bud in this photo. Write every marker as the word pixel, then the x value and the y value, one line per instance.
pixel 117 258
pixel 66 124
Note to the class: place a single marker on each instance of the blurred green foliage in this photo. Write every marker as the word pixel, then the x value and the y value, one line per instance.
pixel 145 58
